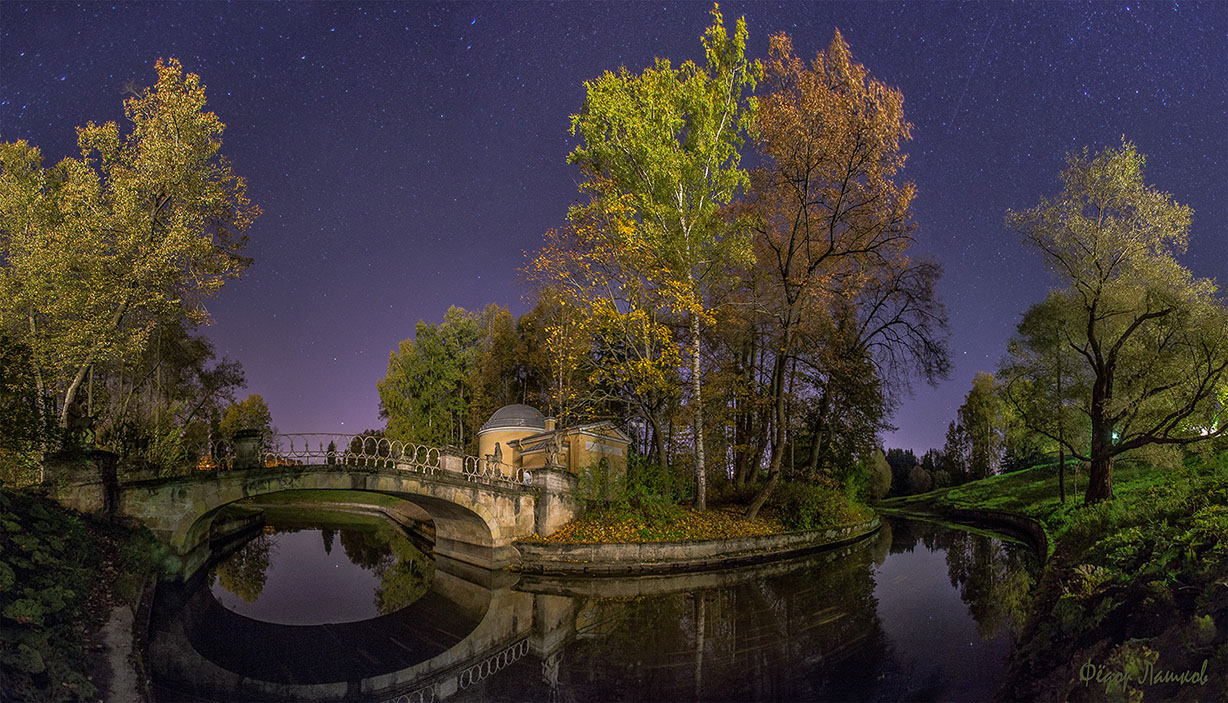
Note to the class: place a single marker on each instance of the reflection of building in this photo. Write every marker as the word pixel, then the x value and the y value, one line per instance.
pixel 523 438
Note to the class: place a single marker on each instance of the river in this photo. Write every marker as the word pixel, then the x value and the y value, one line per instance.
pixel 332 605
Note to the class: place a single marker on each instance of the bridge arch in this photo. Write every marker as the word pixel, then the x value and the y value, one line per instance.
pixel 500 619
pixel 474 522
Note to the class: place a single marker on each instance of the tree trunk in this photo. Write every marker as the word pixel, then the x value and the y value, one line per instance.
pixel 778 419
pixel 701 476
pixel 1099 480
pixel 658 439
pixel 1061 470
pixel 1061 448
pixel 1100 471
pixel 752 511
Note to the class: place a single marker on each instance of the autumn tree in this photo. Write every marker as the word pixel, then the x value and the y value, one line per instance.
pixel 250 414
pixel 101 249
pixel 831 211
pixel 663 145
pixel 1151 339
pixel 604 329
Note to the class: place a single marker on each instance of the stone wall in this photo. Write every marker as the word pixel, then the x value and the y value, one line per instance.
pixel 678 557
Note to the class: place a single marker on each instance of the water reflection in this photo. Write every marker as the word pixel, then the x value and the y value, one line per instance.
pixel 918 612
pixel 282 576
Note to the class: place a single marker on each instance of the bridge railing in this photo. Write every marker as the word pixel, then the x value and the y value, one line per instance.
pixel 365 450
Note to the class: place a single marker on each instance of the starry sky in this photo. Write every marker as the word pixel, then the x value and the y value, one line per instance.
pixel 408 155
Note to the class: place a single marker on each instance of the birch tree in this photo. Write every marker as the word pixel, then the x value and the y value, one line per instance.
pixel 664 144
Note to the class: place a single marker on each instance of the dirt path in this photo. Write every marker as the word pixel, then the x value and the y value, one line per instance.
pixel 119 679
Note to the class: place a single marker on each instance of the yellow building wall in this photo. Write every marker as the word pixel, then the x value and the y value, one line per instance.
pixel 588 450
pixel 487 440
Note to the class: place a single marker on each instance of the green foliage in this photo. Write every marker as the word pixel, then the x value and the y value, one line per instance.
pixel 50 560
pixel 808 506
pixel 427 391
pixel 981 417
pixel 250 414
pixel 918 480
pixel 25 425
pixel 597 483
pixel 880 475
pixel 1142 572
pixel 648 490
pixel 102 249
pixel 652 488
pixel 1148 340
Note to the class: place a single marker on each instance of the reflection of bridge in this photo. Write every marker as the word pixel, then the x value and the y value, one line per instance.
pixel 464 637
pixel 478 508
pixel 465 632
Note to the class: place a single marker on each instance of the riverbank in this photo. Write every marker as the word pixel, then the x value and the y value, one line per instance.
pixel 73 592
pixel 1133 603
pixel 627 558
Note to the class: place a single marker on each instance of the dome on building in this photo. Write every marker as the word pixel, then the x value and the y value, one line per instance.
pixel 513 416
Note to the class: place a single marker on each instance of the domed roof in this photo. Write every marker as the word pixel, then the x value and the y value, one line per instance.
pixel 515 415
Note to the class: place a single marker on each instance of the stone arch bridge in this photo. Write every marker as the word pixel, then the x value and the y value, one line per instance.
pixel 478 507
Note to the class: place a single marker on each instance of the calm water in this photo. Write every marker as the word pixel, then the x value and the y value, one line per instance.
pixel 919 612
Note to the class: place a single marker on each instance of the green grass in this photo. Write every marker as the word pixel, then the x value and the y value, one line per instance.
pixel 1133 582
pixel 299 497
pixel 1035 492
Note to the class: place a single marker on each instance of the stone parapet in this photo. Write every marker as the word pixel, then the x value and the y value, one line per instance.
pixel 679 557
pixel 556 502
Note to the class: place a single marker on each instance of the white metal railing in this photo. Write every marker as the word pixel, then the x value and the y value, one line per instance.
pixel 371 451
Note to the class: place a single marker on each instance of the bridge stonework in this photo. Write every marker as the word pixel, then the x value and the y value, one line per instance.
pixel 475 521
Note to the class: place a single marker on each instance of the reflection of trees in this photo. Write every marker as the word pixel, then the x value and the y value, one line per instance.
pixel 244 573
pixel 405 572
pixel 329 534
pixel 405 580
pixel 367 548
pixel 994 577
pixel 882 542
pixel 806 632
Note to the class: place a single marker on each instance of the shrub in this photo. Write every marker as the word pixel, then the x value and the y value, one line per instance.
pixel 918 480
pixel 804 506
pixel 880 475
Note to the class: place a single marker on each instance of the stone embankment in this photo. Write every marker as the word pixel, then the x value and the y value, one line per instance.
pixel 1022 527
pixel 591 559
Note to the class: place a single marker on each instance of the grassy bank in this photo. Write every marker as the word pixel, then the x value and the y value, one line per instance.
pixel 61 573
pixel 1136 593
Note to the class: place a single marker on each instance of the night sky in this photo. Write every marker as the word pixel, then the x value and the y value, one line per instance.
pixel 407 156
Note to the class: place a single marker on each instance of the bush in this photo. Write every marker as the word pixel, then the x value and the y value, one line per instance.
pixel 646 488
pixel 880 476
pixel 805 506
pixel 725 492
pixel 918 480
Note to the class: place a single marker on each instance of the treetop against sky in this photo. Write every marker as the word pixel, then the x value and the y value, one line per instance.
pixel 408 156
